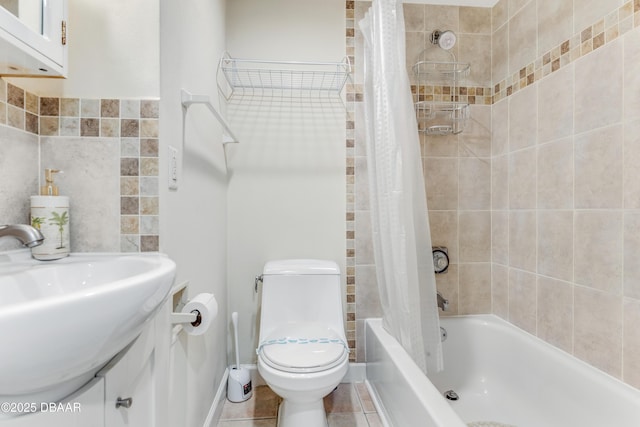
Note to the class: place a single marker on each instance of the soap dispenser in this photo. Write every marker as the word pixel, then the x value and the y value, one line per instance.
pixel 50 215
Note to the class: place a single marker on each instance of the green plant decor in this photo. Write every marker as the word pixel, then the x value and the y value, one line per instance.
pixel 60 221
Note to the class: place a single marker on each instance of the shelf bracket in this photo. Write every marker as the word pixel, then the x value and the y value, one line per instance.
pixel 189 99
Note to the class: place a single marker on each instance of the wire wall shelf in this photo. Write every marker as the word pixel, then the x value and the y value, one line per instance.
pixel 441 118
pixel 283 78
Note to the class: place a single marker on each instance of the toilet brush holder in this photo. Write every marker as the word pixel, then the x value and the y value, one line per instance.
pixel 239 383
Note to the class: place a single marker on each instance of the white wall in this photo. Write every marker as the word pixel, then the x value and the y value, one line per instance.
pixel 287 185
pixel 194 218
pixel 113 52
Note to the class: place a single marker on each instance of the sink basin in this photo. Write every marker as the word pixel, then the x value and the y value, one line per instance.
pixel 61 321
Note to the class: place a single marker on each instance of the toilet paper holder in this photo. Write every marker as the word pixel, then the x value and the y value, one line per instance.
pixel 195 314
pixel 195 318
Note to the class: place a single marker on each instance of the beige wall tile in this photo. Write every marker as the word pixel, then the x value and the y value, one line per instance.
pixel 598 329
pixel 522 299
pixel 500 182
pixel 441 145
pixel 500 237
pixel 475 236
pixel 19 174
pixel 598 169
pixel 522 37
pixel 522 240
pixel 631 274
pixel 500 128
pixel 415 44
pixel 631 180
pixel 441 18
pixel 597 255
pixel 598 88
pixel 555 244
pixel 587 12
pixel 500 291
pixel 475 288
pixel 475 49
pixel 475 20
pixel 555 312
pixel 367 296
pixel 516 5
pixel 447 285
pixel 631 339
pixel 444 231
pixel 499 14
pixel 500 54
pixel 555 175
pixel 413 17
pixel 475 141
pixel 522 183
pixel 363 243
pixel 631 75
pixel 523 118
pixel 80 183
pixel 474 184
pixel 555 23
pixel 555 105
pixel 441 182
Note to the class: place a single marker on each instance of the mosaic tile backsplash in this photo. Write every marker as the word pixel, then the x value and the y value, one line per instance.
pixel 108 149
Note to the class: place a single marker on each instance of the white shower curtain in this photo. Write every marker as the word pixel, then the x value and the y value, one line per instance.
pixel 401 237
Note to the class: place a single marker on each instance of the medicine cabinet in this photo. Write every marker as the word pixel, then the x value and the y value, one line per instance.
pixel 33 37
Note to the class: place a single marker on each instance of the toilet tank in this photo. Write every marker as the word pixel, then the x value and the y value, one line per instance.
pixel 301 290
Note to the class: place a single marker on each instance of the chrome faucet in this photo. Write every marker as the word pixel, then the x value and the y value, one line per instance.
pixel 27 235
pixel 443 303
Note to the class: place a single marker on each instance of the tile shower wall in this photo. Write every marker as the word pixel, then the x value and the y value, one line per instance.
pixel 538 199
pixel 457 167
pixel 108 150
pixel 565 176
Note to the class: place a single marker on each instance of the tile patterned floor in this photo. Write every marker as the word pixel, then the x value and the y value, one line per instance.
pixel 350 405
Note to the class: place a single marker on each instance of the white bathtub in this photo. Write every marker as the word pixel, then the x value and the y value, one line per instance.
pixel 503 376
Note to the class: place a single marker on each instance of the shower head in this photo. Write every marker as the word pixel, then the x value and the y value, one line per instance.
pixel 444 39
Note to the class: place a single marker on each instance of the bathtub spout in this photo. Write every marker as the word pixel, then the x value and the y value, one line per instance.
pixel 443 303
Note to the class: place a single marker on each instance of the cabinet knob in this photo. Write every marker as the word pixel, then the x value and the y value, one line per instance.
pixel 125 403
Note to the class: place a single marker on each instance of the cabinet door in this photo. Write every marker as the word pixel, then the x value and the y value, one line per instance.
pixel 140 410
pixel 34 48
pixel 129 384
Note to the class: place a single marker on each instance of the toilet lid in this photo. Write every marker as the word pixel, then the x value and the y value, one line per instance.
pixel 303 348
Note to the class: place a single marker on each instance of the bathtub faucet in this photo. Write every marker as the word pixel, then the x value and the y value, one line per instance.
pixel 27 235
pixel 443 303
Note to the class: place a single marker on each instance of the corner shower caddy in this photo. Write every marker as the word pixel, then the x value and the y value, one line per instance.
pixel 440 117
pixel 283 78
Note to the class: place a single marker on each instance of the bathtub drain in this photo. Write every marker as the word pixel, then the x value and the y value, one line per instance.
pixel 451 395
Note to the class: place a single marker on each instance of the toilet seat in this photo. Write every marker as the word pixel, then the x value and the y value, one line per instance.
pixel 303 348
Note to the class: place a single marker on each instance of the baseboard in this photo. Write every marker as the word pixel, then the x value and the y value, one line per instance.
pixel 218 401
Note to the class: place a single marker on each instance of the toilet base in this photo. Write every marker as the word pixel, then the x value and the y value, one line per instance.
pixel 297 414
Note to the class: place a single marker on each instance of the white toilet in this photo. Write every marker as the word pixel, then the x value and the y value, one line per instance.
pixel 303 353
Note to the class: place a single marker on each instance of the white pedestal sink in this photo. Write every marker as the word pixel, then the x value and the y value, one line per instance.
pixel 61 321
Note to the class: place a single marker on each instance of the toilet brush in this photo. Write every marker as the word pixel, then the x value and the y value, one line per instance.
pixel 239 384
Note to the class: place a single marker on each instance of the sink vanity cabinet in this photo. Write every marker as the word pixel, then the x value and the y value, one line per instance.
pixel 33 38
pixel 120 395
pixel 81 331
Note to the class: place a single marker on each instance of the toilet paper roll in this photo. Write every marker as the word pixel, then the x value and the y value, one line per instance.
pixel 207 306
